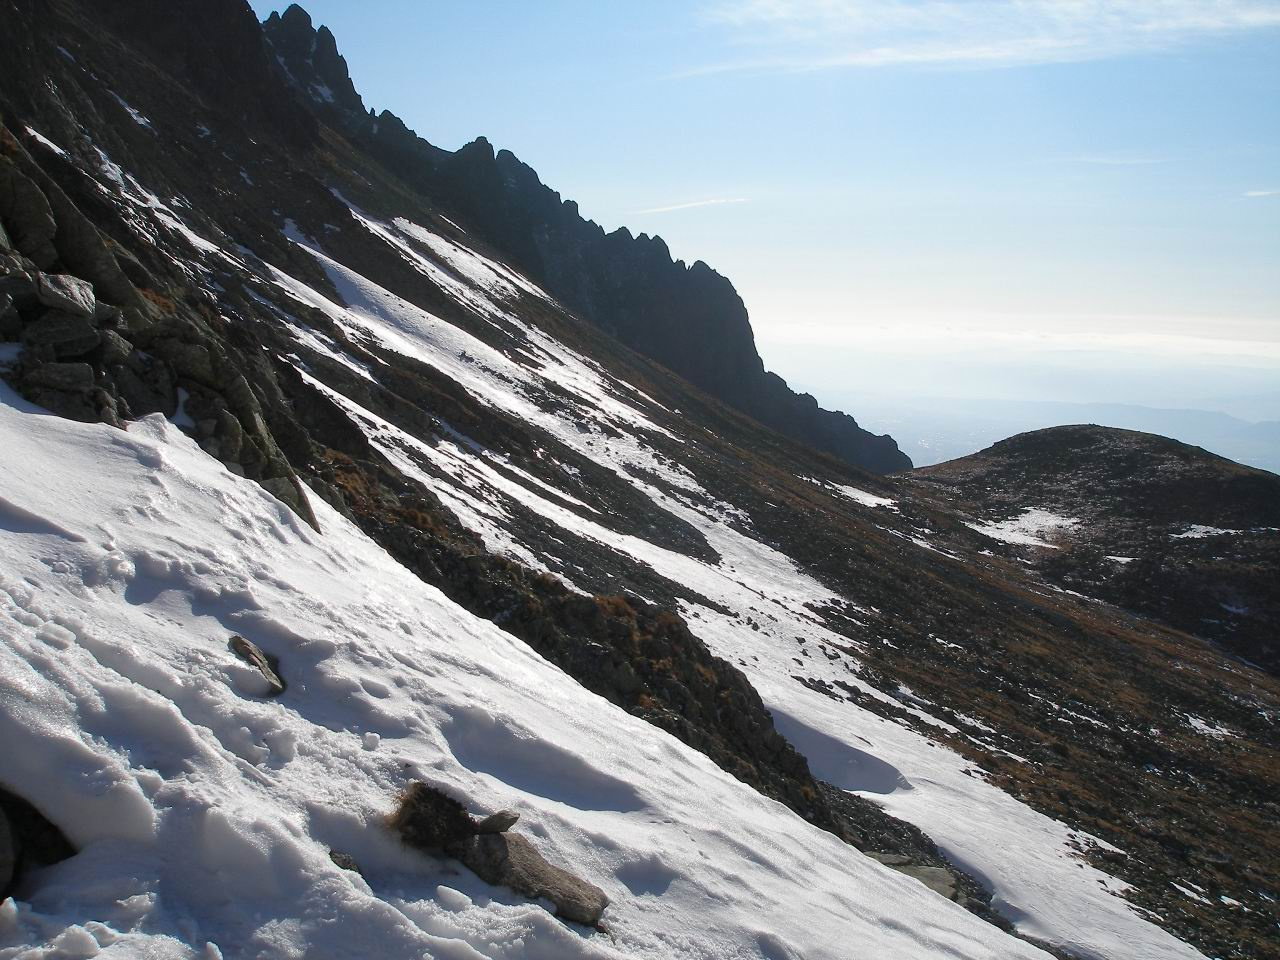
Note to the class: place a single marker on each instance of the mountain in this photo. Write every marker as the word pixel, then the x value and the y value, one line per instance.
pixel 1151 524
pixel 335 540
pixel 934 429
pixel 687 318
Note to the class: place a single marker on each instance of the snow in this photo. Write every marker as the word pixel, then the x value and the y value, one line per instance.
pixel 1029 529
pixel 204 814
pixel 1197 531
pixel 138 118
pixel 857 495
pixel 1030 860
pixel 1209 728
pixel 192 795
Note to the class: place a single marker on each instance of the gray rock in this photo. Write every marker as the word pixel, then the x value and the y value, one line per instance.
pixel 115 348
pixel 67 377
pixel 937 879
pixel 62 334
pixel 5 244
pixel 105 315
pixel 252 654
pixel 21 289
pixel 61 291
pixel 510 860
pixel 344 860
pixel 26 214
pixel 499 822
pixel 8 853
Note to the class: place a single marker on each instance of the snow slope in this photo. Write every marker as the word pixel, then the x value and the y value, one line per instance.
pixel 204 813
pixel 1030 861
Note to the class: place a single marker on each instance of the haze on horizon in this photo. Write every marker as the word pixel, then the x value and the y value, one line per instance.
pixel 1036 201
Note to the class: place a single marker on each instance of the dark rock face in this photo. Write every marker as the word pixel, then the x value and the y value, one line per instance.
pixel 687 318
pixel 314 65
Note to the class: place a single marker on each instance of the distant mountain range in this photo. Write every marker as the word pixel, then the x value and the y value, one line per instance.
pixel 935 429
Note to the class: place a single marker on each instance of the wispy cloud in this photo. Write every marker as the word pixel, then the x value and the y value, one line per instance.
pixel 1262 193
pixel 693 203
pixel 1116 161
pixel 800 35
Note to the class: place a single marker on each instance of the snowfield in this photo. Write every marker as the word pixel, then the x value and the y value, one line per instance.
pixel 1031 862
pixel 204 814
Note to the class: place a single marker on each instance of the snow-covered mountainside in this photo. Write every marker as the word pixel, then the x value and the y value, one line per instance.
pixel 265 385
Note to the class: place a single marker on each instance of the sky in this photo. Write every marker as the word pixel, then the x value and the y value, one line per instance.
pixel 1023 199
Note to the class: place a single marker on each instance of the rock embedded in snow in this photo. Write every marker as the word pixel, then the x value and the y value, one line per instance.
pixel 252 654
pixel 63 292
pixel 345 861
pixel 510 860
pixel 499 822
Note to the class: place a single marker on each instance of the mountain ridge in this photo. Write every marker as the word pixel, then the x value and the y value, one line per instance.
pixel 688 318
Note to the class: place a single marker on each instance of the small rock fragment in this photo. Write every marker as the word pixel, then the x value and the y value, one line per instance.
pixel 499 822
pixel 251 653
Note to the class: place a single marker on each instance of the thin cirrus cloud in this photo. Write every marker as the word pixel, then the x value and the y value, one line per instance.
pixel 1262 193
pixel 1116 161
pixel 694 203
pixel 800 35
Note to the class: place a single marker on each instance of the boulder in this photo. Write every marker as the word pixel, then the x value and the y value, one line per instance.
pixel 107 316
pixel 26 215
pixel 499 822
pixel 65 377
pixel 115 348
pixel 61 291
pixel 510 860
pixel 62 334
pixel 252 654
pixel 938 879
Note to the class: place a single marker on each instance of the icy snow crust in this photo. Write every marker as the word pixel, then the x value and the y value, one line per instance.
pixel 204 813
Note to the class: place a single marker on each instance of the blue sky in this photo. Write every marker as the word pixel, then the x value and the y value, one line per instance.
pixel 914 190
